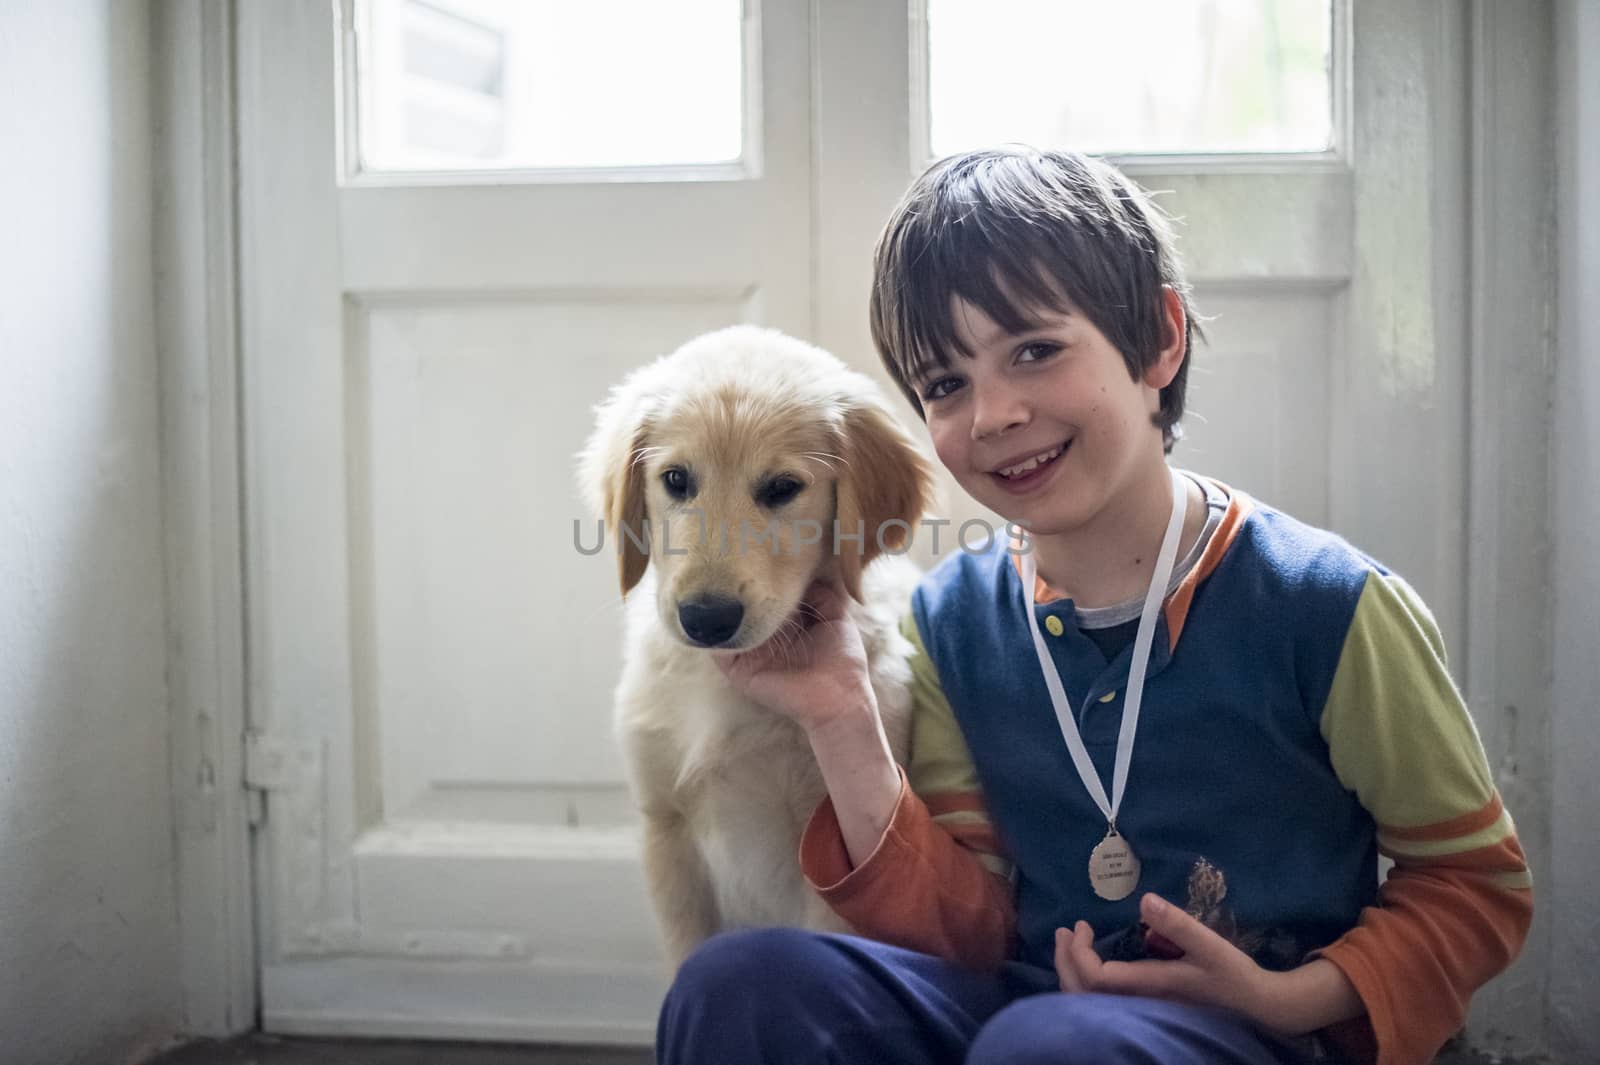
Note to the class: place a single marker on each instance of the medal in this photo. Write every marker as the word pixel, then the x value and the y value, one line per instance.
pixel 1113 867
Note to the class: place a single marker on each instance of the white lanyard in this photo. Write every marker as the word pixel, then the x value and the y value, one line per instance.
pixel 1123 870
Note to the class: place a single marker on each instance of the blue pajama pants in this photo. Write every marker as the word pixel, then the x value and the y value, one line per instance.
pixel 782 996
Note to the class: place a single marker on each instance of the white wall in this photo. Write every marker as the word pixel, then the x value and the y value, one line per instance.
pixel 88 937
pixel 1572 885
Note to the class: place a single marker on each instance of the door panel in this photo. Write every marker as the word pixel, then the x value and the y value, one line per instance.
pixel 483 627
pixel 1258 410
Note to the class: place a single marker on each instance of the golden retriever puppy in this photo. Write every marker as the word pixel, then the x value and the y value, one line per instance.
pixel 737 453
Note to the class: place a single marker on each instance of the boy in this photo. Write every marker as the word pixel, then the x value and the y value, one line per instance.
pixel 1202 886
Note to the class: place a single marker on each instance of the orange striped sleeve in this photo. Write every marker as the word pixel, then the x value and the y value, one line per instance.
pixel 1443 927
pixel 1456 907
pixel 938 881
pixel 921 888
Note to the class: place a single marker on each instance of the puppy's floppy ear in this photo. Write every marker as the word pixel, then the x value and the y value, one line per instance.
pixel 885 479
pixel 611 476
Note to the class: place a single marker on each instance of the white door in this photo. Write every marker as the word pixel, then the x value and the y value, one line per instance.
pixel 445 848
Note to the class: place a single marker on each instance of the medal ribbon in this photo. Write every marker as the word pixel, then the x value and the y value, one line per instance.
pixel 1136 668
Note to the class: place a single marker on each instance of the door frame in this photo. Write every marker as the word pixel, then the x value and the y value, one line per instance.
pixel 196 285
pixel 1509 222
pixel 1493 115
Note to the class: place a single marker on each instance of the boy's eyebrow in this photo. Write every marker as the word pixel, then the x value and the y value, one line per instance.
pixel 1000 332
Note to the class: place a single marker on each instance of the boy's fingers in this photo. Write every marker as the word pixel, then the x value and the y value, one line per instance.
pixel 1066 972
pixel 1150 979
pixel 1182 930
pixel 1085 961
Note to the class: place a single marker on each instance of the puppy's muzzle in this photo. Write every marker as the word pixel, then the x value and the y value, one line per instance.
pixel 710 620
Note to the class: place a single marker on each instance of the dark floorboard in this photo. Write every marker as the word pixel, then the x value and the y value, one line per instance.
pixel 272 1050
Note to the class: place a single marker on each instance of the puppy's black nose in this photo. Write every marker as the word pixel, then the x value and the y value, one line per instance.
pixel 711 620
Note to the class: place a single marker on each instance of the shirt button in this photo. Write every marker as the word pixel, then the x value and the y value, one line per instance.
pixel 1053 623
pixel 1108 696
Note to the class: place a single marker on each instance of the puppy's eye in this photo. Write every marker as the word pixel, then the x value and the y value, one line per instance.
pixel 778 491
pixel 676 481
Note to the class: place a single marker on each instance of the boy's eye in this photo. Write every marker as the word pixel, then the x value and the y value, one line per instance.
pixel 941 388
pixel 675 480
pixel 778 491
pixel 1037 350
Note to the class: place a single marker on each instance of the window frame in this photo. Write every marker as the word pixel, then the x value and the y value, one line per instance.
pixel 350 27
pixel 1135 164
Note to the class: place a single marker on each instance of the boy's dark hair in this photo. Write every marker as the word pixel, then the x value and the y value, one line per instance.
pixel 1014 229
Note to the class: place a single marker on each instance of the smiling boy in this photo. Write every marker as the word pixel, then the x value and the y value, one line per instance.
pixel 1158 745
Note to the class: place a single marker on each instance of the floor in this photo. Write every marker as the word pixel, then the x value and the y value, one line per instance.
pixel 271 1050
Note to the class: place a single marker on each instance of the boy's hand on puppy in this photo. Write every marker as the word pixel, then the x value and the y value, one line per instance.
pixel 1210 972
pixel 813 669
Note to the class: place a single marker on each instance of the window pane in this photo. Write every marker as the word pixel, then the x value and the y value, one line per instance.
pixel 502 84
pixel 1196 76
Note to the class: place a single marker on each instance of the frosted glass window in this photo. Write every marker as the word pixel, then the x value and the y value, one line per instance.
pixel 514 84
pixel 1138 76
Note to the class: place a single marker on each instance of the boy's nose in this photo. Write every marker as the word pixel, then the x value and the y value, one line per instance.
pixel 997 412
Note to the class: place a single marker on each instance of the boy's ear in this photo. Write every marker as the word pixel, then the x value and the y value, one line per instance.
pixel 1174 341
pixel 611 476
pixel 884 479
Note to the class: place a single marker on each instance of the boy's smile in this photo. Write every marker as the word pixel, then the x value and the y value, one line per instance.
pixel 1025 475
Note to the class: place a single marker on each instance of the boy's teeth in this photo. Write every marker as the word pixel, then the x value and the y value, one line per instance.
pixel 1031 464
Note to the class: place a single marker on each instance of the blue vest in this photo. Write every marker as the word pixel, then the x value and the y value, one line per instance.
pixel 1229 764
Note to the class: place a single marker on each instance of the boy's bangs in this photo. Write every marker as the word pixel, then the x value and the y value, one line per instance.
pixel 1010 283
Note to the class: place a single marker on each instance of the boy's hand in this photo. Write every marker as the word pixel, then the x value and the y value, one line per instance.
pixel 814 670
pixel 1211 972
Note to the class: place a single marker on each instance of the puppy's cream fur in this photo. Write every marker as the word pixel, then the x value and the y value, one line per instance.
pixel 724 786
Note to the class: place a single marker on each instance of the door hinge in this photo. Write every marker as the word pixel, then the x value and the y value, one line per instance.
pixel 255 806
pixel 270 764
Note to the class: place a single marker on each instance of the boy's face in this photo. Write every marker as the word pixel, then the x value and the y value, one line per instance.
pixel 1047 426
